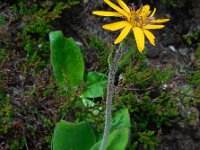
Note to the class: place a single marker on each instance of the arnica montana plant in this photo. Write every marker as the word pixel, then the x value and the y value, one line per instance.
pixel 140 21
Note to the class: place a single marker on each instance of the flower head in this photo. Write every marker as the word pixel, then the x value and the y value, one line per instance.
pixel 139 21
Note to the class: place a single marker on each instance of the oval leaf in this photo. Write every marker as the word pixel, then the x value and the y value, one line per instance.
pixel 121 119
pixel 96 85
pixel 117 140
pixel 120 128
pixel 67 60
pixel 94 77
pixel 69 136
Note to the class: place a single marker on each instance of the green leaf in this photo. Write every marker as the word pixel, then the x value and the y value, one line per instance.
pixel 70 136
pixel 125 58
pixel 96 85
pixel 67 60
pixel 117 140
pixel 88 103
pixel 121 119
pixel 94 77
pixel 120 130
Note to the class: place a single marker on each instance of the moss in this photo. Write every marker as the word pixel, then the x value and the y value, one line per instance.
pixel 192 37
pixel 101 51
pixel 149 105
pixel 147 115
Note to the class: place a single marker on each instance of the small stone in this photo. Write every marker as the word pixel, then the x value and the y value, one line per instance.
pixel 183 51
pixel 172 48
pixel 196 133
pixel 152 52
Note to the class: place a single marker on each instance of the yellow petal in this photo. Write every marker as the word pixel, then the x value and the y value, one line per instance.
pixel 160 21
pixel 123 34
pixel 144 9
pixel 139 37
pixel 152 14
pixel 150 37
pixel 153 26
pixel 144 12
pixel 115 7
pixel 124 6
pixel 106 13
pixel 116 25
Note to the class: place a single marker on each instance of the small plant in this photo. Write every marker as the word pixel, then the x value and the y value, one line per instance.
pixel 101 51
pixel 2 21
pixel 192 37
pixel 5 113
pixel 6 110
pixel 68 67
pixel 140 22
pixel 62 52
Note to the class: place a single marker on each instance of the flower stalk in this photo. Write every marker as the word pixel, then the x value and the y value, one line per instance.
pixel 110 93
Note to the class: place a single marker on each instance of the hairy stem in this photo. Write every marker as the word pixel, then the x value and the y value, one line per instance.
pixel 109 96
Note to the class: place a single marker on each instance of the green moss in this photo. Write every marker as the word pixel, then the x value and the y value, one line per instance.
pixel 37 23
pixel 101 51
pixel 150 107
pixel 143 77
pixel 148 115
pixel 2 20
pixel 17 144
pixel 192 37
pixel 6 111
pixel 194 77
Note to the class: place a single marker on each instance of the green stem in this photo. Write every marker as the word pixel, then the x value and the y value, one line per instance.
pixel 109 96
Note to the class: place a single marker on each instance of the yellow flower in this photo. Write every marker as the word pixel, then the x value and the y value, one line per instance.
pixel 140 21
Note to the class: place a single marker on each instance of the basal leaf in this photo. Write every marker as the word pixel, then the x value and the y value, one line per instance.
pixel 120 130
pixel 117 140
pixel 96 85
pixel 67 60
pixel 70 136
pixel 121 119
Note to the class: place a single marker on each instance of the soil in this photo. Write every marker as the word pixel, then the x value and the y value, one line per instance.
pixel 77 22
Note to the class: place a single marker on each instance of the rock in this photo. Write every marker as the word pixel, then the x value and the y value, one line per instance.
pixel 196 133
pixel 172 48
pixel 183 51
pixel 185 144
pixel 13 91
pixel 152 52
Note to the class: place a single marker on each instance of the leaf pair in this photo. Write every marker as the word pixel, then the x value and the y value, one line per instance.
pixel 70 136
pixel 68 66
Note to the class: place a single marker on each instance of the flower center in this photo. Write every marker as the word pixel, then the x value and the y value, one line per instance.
pixel 136 19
